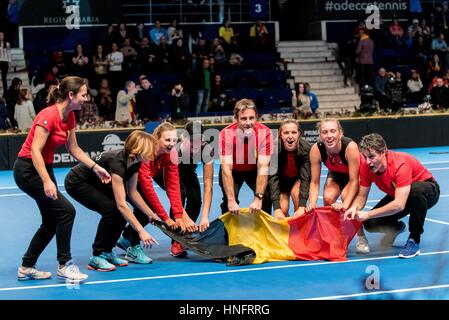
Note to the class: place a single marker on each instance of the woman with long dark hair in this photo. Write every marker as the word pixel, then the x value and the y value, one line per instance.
pixel 33 173
pixel 292 177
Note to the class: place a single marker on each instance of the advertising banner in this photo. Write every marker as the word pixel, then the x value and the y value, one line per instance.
pixel 4 158
pixel 72 13
pixel 361 9
pixel 92 143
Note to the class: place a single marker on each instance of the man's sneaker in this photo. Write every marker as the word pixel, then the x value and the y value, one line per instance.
pixel 362 245
pixel 137 255
pixel 112 258
pixel 410 250
pixel 70 272
pixel 100 263
pixel 388 238
pixel 123 243
pixel 177 250
pixel 24 273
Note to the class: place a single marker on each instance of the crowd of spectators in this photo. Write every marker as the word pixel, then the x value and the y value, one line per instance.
pixel 120 66
pixel 405 62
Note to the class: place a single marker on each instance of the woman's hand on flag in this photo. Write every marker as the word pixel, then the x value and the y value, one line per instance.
pixel 279 215
pixel 233 207
pixel 189 223
pixel 310 207
pixel 204 224
pixel 337 206
pixel 351 213
pixel 299 212
pixel 171 224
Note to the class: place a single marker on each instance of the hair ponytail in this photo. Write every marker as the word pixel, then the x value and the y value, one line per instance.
pixel 67 85
pixel 53 95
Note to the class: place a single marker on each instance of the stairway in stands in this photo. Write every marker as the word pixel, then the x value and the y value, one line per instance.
pixel 17 69
pixel 314 62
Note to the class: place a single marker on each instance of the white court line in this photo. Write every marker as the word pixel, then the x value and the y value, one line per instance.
pixel 24 194
pixel 20 194
pixel 219 272
pixel 216 176
pixel 13 195
pixel 379 292
pixel 436 169
pixel 441 196
pixel 437 221
pixel 428 219
pixel 434 162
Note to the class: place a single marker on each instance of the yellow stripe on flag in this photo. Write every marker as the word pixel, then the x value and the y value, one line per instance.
pixel 260 232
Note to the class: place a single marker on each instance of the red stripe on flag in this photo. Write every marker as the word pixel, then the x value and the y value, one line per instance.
pixel 322 235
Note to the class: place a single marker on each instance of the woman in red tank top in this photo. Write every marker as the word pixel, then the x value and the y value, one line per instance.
pixel 342 158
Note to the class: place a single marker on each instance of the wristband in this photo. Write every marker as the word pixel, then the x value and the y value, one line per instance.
pixel 92 168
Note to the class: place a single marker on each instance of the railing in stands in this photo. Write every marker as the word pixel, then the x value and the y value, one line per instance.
pixel 194 10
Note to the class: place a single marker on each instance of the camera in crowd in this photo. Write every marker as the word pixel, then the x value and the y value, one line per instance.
pixel 367 104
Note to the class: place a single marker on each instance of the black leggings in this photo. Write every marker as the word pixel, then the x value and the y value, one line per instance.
pixel 190 197
pixel 250 177
pixel 100 199
pixel 423 196
pixel 57 215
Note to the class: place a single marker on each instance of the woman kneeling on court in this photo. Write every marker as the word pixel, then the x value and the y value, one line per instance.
pixel 33 173
pixel 166 162
pixel 341 156
pixel 110 200
pixel 292 178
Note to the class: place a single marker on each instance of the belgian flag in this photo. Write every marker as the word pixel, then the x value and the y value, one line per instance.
pixel 257 238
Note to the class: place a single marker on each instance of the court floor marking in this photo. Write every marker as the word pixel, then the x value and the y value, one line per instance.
pixel 434 162
pixel 443 286
pixel 216 176
pixel 438 221
pixel 427 219
pixel 441 196
pixel 436 169
pixel 61 185
pixel 218 272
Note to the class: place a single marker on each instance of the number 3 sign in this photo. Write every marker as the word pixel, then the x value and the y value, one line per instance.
pixel 258 8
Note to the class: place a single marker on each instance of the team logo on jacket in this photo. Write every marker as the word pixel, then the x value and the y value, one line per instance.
pixel 112 142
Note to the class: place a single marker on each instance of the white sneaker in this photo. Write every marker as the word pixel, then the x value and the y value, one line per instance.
pixel 362 245
pixel 71 273
pixel 24 273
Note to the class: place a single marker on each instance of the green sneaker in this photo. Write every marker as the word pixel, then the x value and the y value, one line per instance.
pixel 112 258
pixel 100 263
pixel 137 255
pixel 123 243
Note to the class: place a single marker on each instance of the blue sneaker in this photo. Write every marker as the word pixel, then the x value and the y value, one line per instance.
pixel 116 261
pixel 388 238
pixel 137 255
pixel 123 243
pixel 410 250
pixel 100 263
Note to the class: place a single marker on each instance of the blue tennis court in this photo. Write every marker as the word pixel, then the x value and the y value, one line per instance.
pixel 194 278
